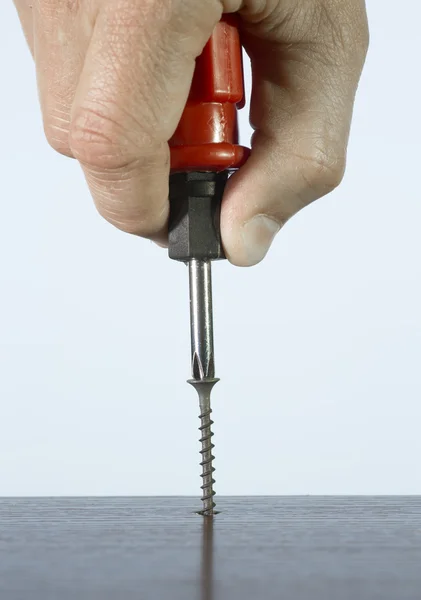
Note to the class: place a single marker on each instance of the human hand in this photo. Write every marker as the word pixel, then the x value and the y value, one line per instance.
pixel 114 76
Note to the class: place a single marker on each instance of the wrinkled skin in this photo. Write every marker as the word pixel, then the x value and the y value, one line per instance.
pixel 114 76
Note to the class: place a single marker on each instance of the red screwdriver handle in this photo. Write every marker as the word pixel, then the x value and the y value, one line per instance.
pixel 206 138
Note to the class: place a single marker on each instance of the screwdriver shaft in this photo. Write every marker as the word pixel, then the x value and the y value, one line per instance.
pixel 203 364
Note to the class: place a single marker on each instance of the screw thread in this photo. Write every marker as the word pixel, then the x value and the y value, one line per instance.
pixel 206 464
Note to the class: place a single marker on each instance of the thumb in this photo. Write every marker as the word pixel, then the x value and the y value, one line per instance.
pixel 304 84
pixel 273 186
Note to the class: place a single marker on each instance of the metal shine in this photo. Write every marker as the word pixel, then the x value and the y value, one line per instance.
pixel 203 368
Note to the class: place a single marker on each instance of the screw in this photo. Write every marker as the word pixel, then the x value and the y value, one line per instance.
pixel 206 464
pixel 204 388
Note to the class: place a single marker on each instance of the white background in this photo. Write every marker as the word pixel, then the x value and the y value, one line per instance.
pixel 318 348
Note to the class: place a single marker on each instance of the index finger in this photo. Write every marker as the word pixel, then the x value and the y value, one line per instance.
pixel 131 94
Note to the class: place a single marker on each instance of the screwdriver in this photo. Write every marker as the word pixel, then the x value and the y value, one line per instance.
pixel 204 152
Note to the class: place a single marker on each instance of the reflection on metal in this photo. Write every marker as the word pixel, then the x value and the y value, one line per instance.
pixel 201 319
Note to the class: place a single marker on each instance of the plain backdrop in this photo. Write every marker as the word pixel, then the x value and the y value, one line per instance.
pixel 318 348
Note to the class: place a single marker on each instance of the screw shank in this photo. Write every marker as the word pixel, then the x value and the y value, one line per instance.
pixel 204 389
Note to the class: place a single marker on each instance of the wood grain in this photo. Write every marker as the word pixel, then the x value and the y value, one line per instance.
pixel 303 548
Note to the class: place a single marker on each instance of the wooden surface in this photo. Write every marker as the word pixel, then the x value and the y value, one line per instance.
pixel 306 548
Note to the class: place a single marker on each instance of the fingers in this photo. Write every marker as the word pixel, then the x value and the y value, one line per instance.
pixel 129 100
pixel 62 31
pixel 302 104
pixel 114 79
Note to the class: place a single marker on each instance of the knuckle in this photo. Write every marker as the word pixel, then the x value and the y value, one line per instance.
pixel 97 140
pixel 322 172
pixel 56 130
pixel 143 221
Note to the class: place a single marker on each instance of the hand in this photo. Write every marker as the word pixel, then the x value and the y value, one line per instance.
pixel 114 77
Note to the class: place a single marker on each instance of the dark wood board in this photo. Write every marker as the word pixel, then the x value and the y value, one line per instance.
pixel 297 548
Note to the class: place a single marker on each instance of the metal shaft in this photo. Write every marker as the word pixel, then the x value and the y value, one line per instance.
pixel 201 319
pixel 203 368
